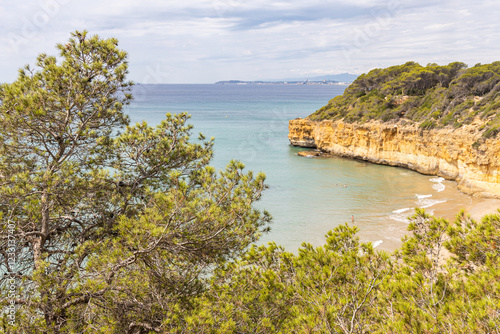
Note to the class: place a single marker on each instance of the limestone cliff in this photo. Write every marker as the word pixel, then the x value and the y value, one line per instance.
pixel 455 154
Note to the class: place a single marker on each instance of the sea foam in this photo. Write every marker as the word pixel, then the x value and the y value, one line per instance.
pixel 438 186
pixel 427 203
pixel 422 196
pixel 400 217
pixel 437 179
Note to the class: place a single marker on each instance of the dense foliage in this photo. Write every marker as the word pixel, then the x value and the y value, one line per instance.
pixel 434 96
pixel 113 228
pixel 107 227
pixel 347 287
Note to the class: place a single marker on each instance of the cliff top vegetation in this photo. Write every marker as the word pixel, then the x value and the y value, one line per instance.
pixel 434 96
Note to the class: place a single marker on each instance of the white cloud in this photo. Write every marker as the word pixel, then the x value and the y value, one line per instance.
pixel 209 40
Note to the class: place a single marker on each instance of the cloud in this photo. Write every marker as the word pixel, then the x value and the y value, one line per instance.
pixel 209 40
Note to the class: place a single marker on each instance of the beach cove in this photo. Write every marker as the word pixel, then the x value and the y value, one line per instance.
pixel 306 196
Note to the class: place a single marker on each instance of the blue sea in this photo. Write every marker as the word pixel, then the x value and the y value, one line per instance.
pixel 307 197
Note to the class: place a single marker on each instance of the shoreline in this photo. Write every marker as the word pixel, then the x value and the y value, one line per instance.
pixel 476 209
pixel 450 153
pixel 449 204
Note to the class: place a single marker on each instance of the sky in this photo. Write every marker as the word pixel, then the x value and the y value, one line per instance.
pixel 204 41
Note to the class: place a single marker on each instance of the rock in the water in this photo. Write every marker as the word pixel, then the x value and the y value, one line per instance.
pixel 310 154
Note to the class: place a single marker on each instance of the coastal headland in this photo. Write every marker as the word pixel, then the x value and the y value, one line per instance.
pixel 436 120
pixel 449 153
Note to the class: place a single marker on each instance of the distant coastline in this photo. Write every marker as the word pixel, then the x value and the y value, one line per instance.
pixel 331 79
pixel 306 82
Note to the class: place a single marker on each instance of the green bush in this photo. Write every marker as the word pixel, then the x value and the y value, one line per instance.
pixel 348 287
pixel 428 124
pixel 441 93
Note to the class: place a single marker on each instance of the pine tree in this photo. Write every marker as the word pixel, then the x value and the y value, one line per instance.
pixel 116 227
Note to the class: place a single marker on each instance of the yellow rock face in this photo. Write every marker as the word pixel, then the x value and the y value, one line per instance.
pixel 444 152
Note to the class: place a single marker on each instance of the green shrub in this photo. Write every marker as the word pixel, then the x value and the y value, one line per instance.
pixel 433 95
pixel 428 124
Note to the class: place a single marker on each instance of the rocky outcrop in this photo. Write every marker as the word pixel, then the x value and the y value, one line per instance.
pixel 455 154
pixel 314 154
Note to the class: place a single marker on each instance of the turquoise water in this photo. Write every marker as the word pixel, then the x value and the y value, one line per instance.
pixel 307 196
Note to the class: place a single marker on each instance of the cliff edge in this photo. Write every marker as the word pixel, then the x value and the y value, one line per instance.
pixel 438 120
pixel 451 153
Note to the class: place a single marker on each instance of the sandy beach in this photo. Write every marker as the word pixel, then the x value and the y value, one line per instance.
pixel 476 207
pixel 483 207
